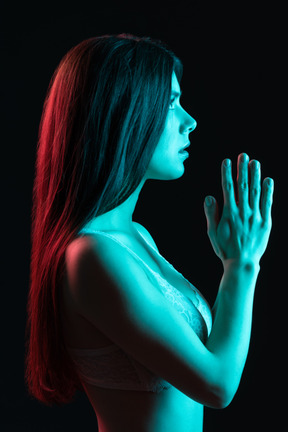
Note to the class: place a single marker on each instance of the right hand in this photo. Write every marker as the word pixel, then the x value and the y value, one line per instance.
pixel 243 231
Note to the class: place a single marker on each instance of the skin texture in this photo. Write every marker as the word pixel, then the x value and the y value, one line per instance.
pixel 166 163
pixel 200 374
pixel 239 238
pixel 244 228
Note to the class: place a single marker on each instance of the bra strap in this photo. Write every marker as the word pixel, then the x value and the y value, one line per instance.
pixel 121 243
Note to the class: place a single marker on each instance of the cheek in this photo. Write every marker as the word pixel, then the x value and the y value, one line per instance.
pixel 166 164
pixel 165 150
pixel 167 145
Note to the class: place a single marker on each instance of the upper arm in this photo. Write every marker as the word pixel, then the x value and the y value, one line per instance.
pixel 134 315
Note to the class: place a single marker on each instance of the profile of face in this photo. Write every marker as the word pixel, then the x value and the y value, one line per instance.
pixel 167 162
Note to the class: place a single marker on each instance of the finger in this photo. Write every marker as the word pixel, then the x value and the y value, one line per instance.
pixel 212 216
pixel 242 181
pixel 255 186
pixel 227 183
pixel 267 198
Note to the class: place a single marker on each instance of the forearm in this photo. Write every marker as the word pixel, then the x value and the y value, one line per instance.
pixel 230 335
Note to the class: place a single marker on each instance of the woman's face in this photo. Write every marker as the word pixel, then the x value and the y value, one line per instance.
pixel 167 162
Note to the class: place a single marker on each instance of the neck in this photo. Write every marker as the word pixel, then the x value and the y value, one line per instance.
pixel 120 218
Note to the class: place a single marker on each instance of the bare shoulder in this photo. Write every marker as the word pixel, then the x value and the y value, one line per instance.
pixel 146 234
pixel 94 251
pixel 112 292
pixel 98 262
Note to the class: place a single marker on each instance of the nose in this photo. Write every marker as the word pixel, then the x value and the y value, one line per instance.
pixel 193 125
pixel 189 124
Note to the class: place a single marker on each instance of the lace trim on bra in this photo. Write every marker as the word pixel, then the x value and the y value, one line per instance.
pixel 116 369
pixel 198 314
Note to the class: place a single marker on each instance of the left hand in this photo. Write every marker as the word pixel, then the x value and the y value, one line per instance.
pixel 243 231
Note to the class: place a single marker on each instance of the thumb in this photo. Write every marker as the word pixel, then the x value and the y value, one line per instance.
pixel 211 213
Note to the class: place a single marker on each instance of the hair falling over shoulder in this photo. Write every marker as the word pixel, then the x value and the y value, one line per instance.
pixel 103 115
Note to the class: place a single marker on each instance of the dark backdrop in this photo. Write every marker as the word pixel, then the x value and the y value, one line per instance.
pixel 233 85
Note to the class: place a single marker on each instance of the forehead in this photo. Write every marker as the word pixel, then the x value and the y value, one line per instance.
pixel 174 83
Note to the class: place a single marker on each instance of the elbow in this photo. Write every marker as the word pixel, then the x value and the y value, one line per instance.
pixel 222 397
pixel 222 402
pixel 219 391
pixel 216 397
pixel 223 386
pixel 217 401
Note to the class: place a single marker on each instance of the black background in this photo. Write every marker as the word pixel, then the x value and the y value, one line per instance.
pixel 234 56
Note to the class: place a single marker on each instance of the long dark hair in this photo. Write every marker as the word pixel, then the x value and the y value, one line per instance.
pixel 103 115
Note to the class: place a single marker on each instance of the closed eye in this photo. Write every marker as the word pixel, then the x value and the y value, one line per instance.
pixel 174 96
pixel 172 103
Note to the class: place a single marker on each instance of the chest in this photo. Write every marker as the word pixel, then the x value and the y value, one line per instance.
pixel 80 333
pixel 160 266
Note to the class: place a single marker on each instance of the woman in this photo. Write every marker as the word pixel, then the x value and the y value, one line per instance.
pixel 107 313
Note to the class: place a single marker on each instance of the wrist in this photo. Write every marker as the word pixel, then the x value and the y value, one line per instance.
pixel 239 277
pixel 241 264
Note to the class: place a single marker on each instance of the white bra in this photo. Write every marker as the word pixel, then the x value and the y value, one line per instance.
pixel 111 367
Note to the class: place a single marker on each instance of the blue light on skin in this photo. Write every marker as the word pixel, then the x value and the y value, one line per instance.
pixel 167 163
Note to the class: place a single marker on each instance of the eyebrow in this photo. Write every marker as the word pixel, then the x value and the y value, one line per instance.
pixel 176 93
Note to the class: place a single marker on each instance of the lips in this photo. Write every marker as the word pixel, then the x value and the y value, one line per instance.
pixel 185 147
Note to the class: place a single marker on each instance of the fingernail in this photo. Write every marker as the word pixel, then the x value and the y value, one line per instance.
pixel 227 163
pixel 256 164
pixel 270 182
pixel 208 201
pixel 243 157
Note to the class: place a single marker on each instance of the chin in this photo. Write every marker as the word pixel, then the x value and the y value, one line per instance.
pixel 175 176
pixel 168 175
